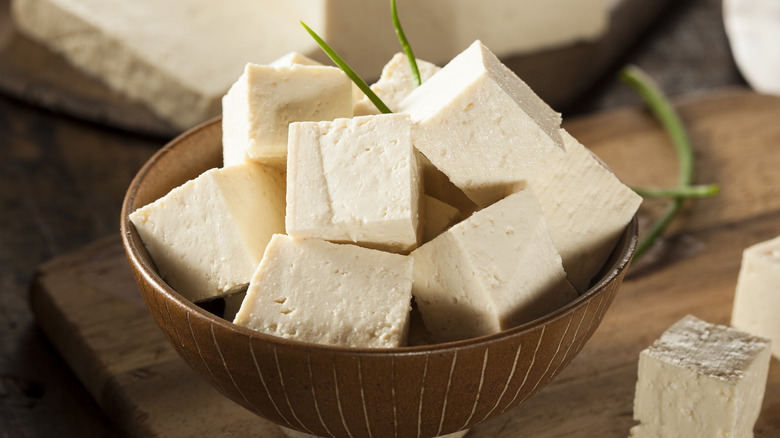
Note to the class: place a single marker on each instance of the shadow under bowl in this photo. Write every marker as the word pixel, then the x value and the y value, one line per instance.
pixel 338 391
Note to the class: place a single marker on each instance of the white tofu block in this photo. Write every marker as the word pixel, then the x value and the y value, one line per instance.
pixel 293 58
pixel 394 85
pixel 700 380
pixel 355 180
pixel 492 271
pixel 483 126
pixel 437 217
pixel 757 298
pixel 178 57
pixel 311 290
pixel 261 104
pixel 207 236
pixel 439 29
pixel 586 208
pixel 522 26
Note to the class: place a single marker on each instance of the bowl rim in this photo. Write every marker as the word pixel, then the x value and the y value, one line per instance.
pixel 628 238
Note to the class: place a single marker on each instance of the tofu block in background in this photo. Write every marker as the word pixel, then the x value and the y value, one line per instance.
pixel 586 207
pixel 355 181
pixel 757 297
pixel 700 380
pixel 207 236
pixel 437 185
pixel 261 104
pixel 495 270
pixel 176 57
pixel 395 83
pixel 179 57
pixel 524 26
pixel 437 217
pixel 483 127
pixel 311 290
pixel 361 31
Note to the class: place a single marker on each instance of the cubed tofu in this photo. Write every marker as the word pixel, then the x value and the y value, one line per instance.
pixel 315 291
pixel 481 125
pixel 495 270
pixel 586 208
pixel 293 58
pixel 757 298
pixel 395 84
pixel 355 180
pixel 261 104
pixel 207 236
pixel 700 380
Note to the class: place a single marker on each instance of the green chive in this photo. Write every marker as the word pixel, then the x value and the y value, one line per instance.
pixel 643 84
pixel 405 45
pixel 697 191
pixel 348 70
pixel 663 110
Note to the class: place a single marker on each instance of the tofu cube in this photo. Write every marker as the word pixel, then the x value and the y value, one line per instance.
pixel 207 236
pixel 355 181
pixel 586 208
pixel 495 270
pixel 700 380
pixel 757 297
pixel 395 83
pixel 311 290
pixel 293 58
pixel 483 126
pixel 260 105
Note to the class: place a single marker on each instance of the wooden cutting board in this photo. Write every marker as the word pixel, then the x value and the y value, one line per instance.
pixel 86 302
pixel 30 72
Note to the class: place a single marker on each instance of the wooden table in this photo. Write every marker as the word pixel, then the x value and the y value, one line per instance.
pixel 63 181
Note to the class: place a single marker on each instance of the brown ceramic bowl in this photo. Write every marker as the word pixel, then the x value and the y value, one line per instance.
pixel 338 391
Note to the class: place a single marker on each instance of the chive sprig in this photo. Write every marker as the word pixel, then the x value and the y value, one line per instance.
pixel 644 85
pixel 399 31
pixel 348 70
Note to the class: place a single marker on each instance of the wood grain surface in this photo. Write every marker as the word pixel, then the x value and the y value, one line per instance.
pixel 31 72
pixel 87 304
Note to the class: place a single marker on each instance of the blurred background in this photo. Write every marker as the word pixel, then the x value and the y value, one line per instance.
pixel 70 144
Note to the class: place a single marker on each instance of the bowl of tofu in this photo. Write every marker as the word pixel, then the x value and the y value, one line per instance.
pixel 363 274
